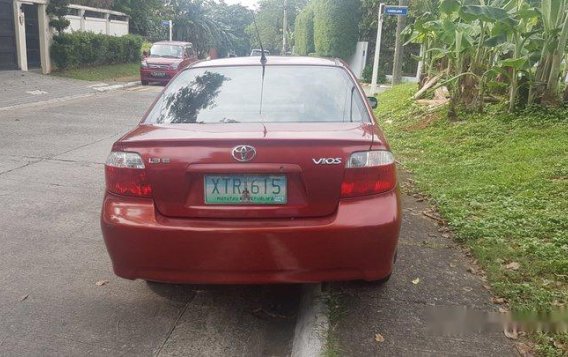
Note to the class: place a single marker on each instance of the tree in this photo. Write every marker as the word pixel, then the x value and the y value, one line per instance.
pixel 195 21
pixel 335 27
pixel 145 15
pixel 398 49
pixel 304 32
pixel 236 18
pixel 57 9
pixel 269 19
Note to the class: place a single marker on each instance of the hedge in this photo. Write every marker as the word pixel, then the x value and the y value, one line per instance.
pixel 336 27
pixel 304 32
pixel 78 49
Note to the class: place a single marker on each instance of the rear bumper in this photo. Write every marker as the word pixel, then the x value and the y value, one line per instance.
pixel 357 242
pixel 146 75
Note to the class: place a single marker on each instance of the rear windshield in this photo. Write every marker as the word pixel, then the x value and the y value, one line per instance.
pixel 238 94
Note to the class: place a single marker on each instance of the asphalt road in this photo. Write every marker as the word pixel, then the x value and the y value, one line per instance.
pixel 52 253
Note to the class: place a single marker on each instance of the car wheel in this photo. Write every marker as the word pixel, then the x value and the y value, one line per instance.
pixel 144 83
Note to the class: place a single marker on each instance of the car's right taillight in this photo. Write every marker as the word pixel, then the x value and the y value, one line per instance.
pixel 125 174
pixel 369 173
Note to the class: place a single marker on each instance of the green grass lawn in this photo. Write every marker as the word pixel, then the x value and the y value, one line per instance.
pixel 115 72
pixel 501 182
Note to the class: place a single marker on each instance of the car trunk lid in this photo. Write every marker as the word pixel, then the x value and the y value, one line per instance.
pixel 179 157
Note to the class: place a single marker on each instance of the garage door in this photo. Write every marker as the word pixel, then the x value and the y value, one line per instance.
pixel 8 59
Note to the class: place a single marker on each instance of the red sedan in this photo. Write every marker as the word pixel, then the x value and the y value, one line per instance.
pixel 250 171
pixel 165 60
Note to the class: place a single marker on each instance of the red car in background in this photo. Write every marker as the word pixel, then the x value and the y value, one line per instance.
pixel 254 170
pixel 165 60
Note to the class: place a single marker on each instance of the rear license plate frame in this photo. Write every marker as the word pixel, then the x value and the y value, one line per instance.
pixel 262 183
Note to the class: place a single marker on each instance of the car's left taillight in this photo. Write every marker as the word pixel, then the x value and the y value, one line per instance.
pixel 125 174
pixel 369 173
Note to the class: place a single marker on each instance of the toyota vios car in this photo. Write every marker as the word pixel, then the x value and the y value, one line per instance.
pixel 165 60
pixel 251 171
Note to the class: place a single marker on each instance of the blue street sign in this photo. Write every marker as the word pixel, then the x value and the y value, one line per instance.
pixel 396 10
pixel 165 23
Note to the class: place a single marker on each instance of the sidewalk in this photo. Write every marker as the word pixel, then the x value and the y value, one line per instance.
pixel 19 88
pixel 433 281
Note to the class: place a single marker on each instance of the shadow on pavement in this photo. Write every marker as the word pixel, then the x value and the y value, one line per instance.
pixel 276 302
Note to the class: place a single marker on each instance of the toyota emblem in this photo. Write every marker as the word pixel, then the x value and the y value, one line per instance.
pixel 244 153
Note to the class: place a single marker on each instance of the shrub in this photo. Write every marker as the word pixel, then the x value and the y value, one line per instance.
pixel 80 49
pixel 304 32
pixel 336 27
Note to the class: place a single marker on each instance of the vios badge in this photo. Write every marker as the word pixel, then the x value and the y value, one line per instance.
pixel 327 161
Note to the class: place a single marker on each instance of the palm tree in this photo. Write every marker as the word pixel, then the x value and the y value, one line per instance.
pixel 195 22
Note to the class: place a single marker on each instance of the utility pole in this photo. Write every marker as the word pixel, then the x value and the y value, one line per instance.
pixel 377 51
pixel 285 29
pixel 398 49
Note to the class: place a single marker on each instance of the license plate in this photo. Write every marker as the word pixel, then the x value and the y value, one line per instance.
pixel 158 74
pixel 245 189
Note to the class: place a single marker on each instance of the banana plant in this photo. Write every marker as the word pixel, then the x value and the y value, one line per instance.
pixel 555 17
pixel 555 22
pixel 480 41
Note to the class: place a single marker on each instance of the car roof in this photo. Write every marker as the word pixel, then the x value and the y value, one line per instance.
pixel 175 43
pixel 271 60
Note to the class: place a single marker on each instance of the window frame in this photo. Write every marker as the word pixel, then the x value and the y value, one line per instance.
pixel 367 115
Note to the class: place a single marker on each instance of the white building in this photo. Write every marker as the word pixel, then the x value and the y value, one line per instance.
pixel 25 34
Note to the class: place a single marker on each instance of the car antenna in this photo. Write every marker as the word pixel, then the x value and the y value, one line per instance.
pixel 263 60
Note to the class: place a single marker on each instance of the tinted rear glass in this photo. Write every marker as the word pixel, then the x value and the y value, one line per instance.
pixel 233 94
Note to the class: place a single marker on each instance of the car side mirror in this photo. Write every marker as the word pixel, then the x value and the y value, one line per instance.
pixel 373 101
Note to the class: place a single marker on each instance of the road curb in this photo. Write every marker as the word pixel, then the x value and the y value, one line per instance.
pixel 312 324
pixel 116 86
